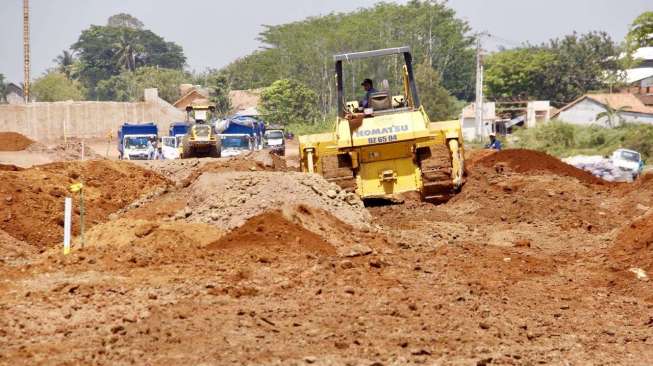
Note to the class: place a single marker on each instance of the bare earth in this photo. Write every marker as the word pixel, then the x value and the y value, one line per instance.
pixel 225 261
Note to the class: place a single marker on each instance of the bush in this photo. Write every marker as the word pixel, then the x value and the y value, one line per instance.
pixel 55 87
pixel 563 139
pixel 639 138
pixel 553 138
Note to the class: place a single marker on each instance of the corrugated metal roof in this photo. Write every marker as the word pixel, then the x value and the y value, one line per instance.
pixel 644 53
pixel 641 73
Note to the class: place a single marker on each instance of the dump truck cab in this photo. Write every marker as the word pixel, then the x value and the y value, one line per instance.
pixel 135 141
pixel 275 140
pixel 390 147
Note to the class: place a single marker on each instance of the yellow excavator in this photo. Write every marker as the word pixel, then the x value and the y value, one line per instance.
pixel 390 147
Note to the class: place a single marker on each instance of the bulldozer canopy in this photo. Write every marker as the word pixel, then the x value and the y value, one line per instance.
pixel 367 54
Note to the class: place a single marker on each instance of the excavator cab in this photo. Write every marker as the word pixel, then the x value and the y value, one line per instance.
pixel 389 148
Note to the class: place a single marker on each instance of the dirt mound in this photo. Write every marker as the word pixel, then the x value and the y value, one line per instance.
pixel 13 250
pixel 473 156
pixel 271 231
pixel 229 199
pixel 530 161
pixel 129 243
pixel 634 245
pixel 66 151
pixel 31 200
pixel 14 141
pixel 522 198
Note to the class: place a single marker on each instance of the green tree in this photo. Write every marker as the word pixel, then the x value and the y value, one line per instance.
pixel 612 115
pixel 54 87
pixel 518 73
pixel 105 51
pixel 253 71
pixel 126 48
pixel 303 50
pixel 65 63
pixel 581 64
pixel 640 33
pixel 218 86
pixel 437 101
pixel 287 102
pixel 125 20
pixel 560 71
pixel 128 86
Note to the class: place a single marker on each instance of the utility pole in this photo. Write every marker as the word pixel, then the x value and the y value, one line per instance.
pixel 26 49
pixel 478 106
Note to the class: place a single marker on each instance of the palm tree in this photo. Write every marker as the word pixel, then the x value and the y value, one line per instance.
pixel 65 63
pixel 611 114
pixel 126 51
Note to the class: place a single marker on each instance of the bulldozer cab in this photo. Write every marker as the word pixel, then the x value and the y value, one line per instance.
pixel 395 88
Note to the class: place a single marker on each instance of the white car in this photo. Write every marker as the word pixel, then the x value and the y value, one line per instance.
pixel 629 161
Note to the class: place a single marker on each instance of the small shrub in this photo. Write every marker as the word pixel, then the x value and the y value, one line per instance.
pixel 564 139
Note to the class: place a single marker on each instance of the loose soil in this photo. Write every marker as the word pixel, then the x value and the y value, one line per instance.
pixel 634 245
pixel 529 264
pixel 530 161
pixel 13 141
pixel 228 199
pixel 270 232
pixel 32 200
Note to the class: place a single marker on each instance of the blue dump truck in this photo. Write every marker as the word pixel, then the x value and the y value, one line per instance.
pixel 239 134
pixel 137 141
pixel 171 144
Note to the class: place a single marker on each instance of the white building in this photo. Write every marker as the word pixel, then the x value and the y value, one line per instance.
pixel 534 112
pixel 468 120
pixel 586 109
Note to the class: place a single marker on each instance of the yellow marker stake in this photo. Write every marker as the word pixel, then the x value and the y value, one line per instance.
pixel 76 187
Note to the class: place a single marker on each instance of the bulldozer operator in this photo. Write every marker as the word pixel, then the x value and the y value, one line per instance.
pixel 368 85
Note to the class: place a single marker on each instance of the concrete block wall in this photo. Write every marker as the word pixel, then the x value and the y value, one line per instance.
pixel 44 121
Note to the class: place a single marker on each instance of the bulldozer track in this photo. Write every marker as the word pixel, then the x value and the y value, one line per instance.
pixel 435 163
pixel 337 169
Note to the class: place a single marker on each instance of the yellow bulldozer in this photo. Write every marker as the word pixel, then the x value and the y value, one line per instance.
pixel 387 147
pixel 201 139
